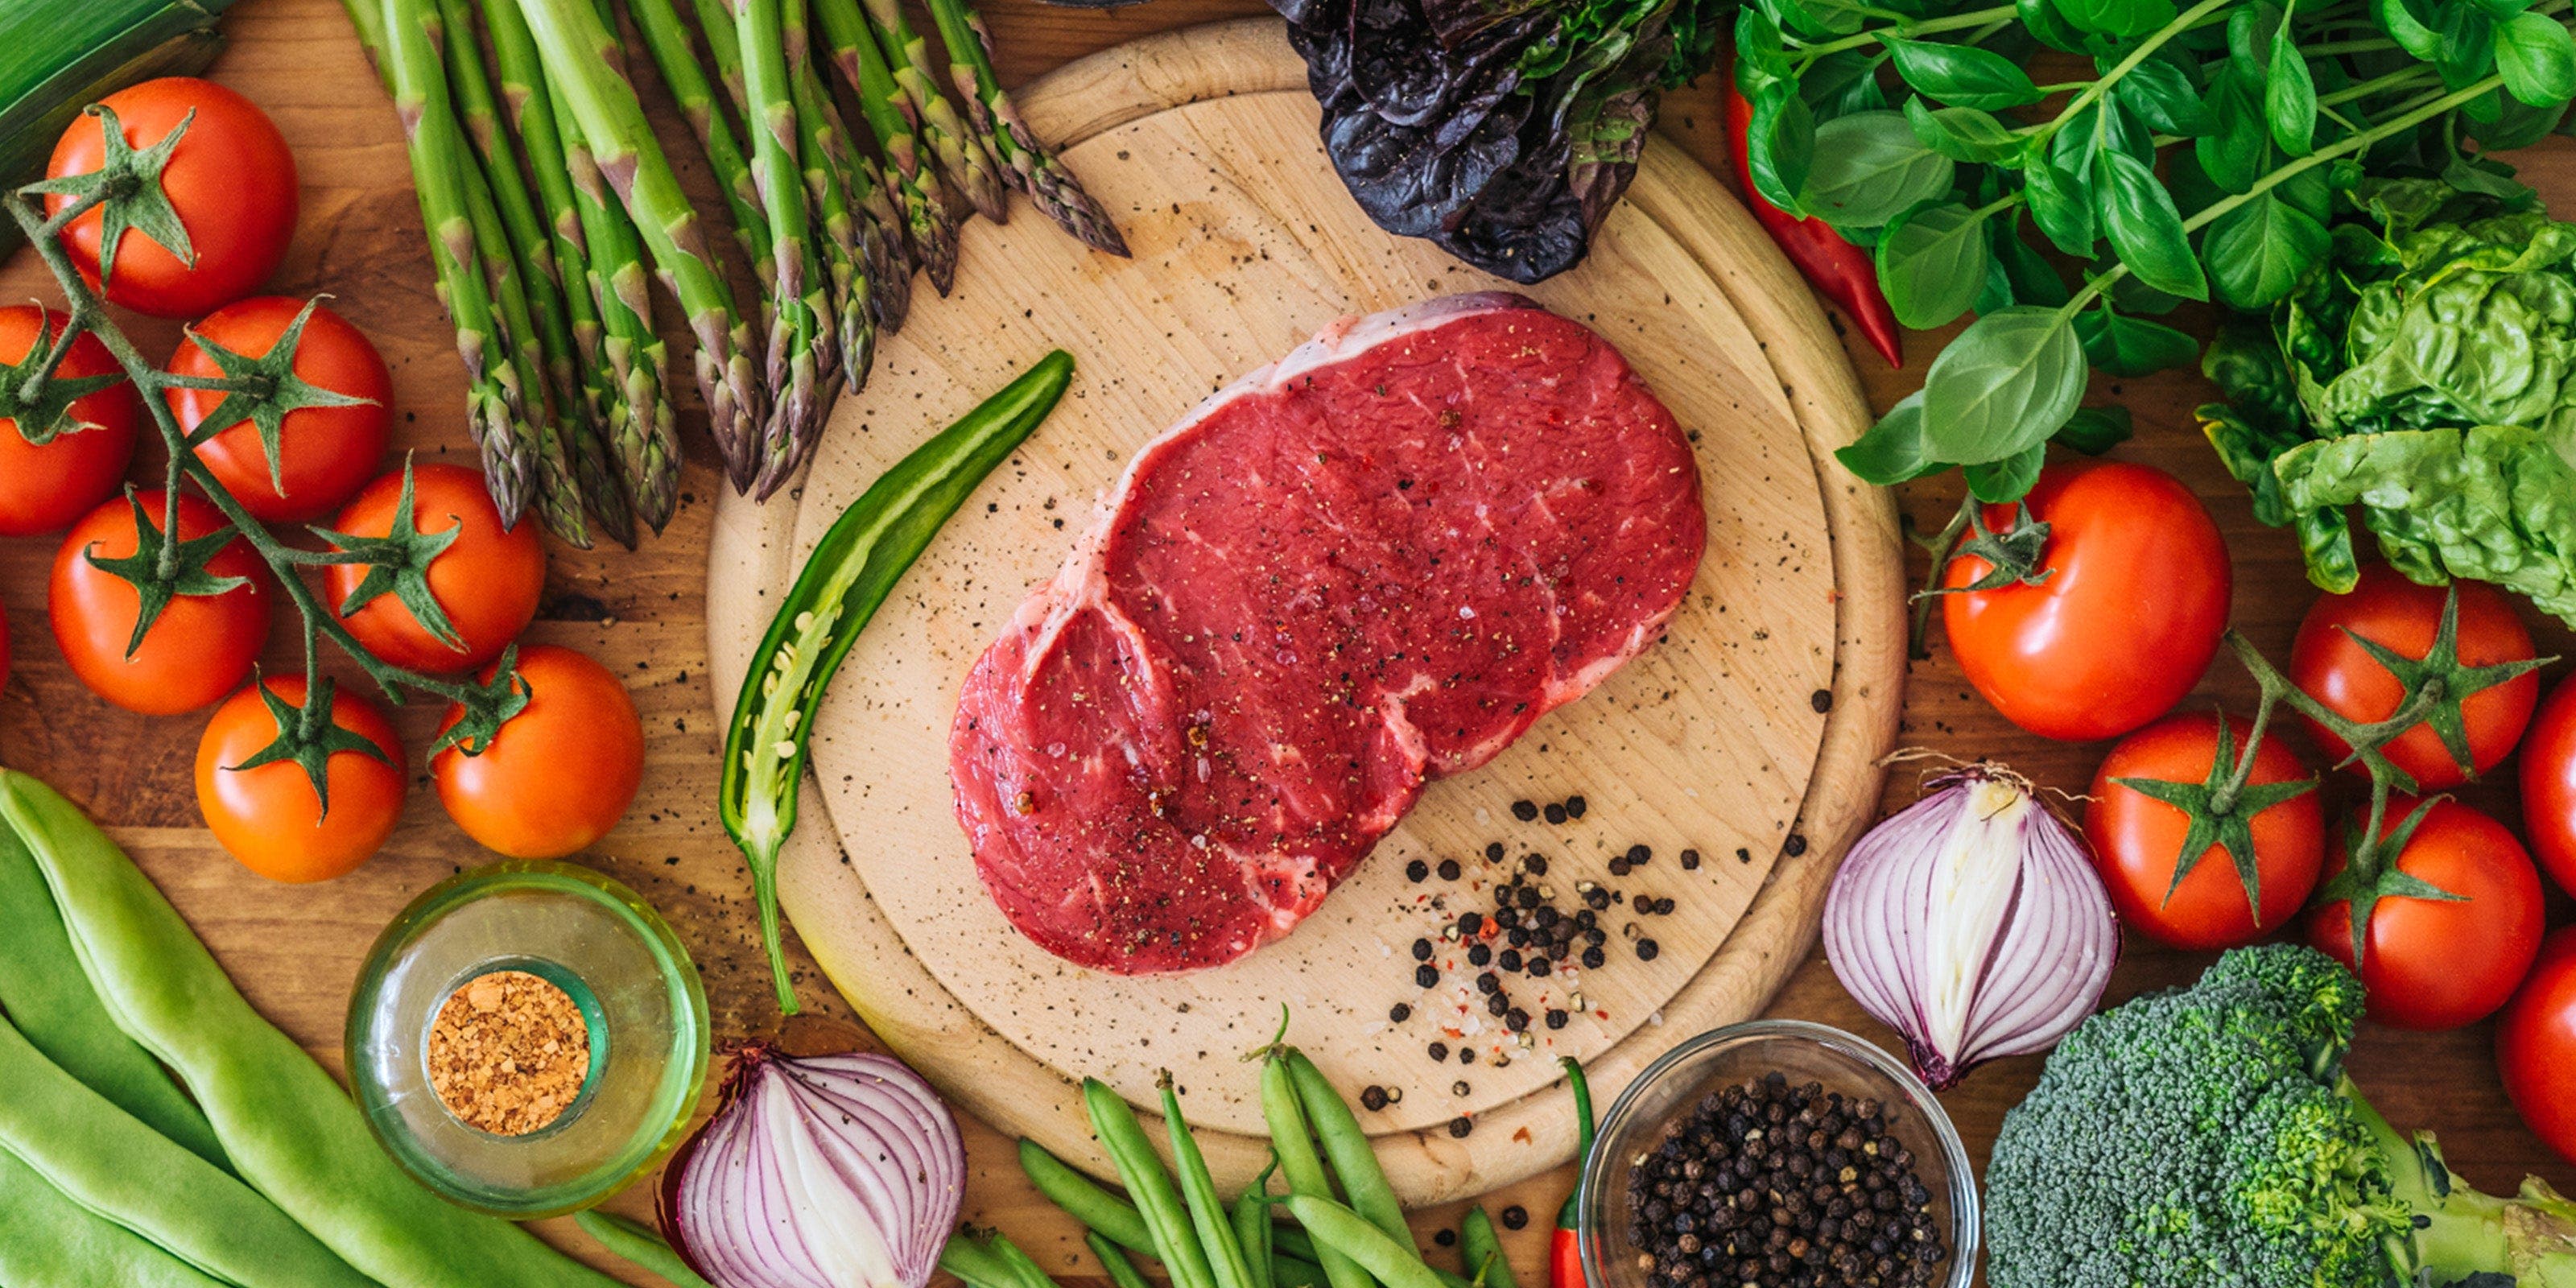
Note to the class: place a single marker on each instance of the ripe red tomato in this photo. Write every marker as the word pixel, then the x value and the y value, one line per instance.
pixel 200 648
pixel 269 817
pixel 231 180
pixel 2536 1044
pixel 2442 963
pixel 325 453
pixel 2403 617
pixel 2138 839
pixel 2130 613
pixel 45 488
pixel 560 773
pixel 487 581
pixel 2549 786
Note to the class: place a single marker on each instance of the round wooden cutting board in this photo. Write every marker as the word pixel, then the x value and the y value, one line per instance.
pixel 1750 734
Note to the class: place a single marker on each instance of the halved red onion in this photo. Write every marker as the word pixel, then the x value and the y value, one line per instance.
pixel 1972 923
pixel 840 1171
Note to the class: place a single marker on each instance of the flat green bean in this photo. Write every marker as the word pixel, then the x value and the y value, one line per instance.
pixel 638 1244
pixel 288 1128
pixel 1364 1183
pixel 1084 1200
pixel 975 1264
pixel 45 994
pixel 109 1162
pixel 1025 1271
pixel 1142 1171
pixel 48 1241
pixel 1295 1272
pixel 1394 1262
pixel 1208 1214
pixel 1482 1250
pixel 1252 1230
pixel 1122 1272
pixel 1293 1241
pixel 1304 1168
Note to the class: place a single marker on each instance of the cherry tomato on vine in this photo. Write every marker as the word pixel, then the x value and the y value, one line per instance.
pixel 2453 925
pixel 325 453
pixel 2536 1044
pixel 560 773
pixel 486 579
pixel 230 180
pixel 42 489
pixel 2127 618
pixel 2329 664
pixel 200 648
pixel 2549 786
pixel 268 816
pixel 2139 833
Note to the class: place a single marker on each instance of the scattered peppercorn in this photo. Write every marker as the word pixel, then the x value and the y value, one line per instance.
pixel 1439 1050
pixel 1497 1005
pixel 1556 1018
pixel 1540 966
pixel 1619 867
pixel 1444 1236
pixel 1460 1126
pixel 1417 871
pixel 1516 1217
pixel 1466 1055
pixel 1459 1088
pixel 1470 923
pixel 1555 813
pixel 1534 864
pixel 1593 957
pixel 1479 954
pixel 1822 700
pixel 1448 869
pixel 1690 860
pixel 1794 846
pixel 1524 811
pixel 1510 960
pixel 1646 950
pixel 1427 975
pixel 1493 851
pixel 1373 1098
pixel 1422 950
pixel 1574 807
pixel 1516 1019
pixel 1399 1013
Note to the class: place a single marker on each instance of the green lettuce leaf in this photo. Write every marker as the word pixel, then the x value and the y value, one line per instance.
pixel 2492 503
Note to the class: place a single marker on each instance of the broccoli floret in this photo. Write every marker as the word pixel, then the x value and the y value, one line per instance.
pixel 2205 1138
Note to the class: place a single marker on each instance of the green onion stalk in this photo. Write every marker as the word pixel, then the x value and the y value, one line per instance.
pixel 864 69
pixel 1026 163
pixel 582 63
pixel 494 397
pixel 965 157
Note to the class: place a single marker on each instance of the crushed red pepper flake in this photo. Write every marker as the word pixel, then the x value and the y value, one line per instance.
pixel 508 1053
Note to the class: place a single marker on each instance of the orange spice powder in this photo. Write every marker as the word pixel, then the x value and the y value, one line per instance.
pixel 508 1053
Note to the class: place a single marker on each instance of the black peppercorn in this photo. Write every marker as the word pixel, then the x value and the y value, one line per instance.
pixel 1417 871
pixel 1527 897
pixel 1439 1050
pixel 1555 813
pixel 1448 869
pixel 1398 1013
pixel 1646 950
pixel 1426 975
pixel 1540 966
pixel 1493 851
pixel 1619 867
pixel 1794 846
pixel 1516 1217
pixel 1524 811
pixel 1466 1055
pixel 1488 982
pixel 1574 807
pixel 1422 950
pixel 1556 1019
pixel 1510 960
pixel 1479 954
pixel 1516 1019
pixel 1373 1097
pixel 1498 1004
pixel 1690 860
pixel 1470 922
pixel 1593 957
pixel 1460 1126
pixel 1444 1237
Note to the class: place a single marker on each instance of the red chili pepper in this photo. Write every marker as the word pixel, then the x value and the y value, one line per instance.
pixel 1845 273
pixel 1565 1251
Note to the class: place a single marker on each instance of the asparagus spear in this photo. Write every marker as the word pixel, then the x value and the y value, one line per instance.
pixel 616 434
pixel 408 64
pixel 581 61
pixel 1026 162
pixel 802 360
pixel 884 230
pixel 964 155
pixel 827 156
pixel 863 67
pixel 545 338
pixel 675 54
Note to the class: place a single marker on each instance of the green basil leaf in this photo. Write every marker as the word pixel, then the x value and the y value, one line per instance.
pixel 2144 227
pixel 2048 26
pixel 1761 61
pixel 2259 252
pixel 2467 52
pixel 2537 59
pixel 2123 19
pixel 1892 451
pixel 2502 9
pixel 2130 347
pixel 1961 75
pixel 1961 133
pixel 2485 177
pixel 2398 18
pixel 2162 95
pixel 2521 124
pixel 1841 83
pixel 1816 17
pixel 2237 150
pixel 2095 430
pixel 1780 148
pixel 1932 263
pixel 2006 383
pixel 2131 296
pixel 2123 132
pixel 1997 290
pixel 1868 168
pixel 2062 206
pixel 2290 96
pixel 2250 32
pixel 2190 185
pixel 2008 480
pixel 2034 280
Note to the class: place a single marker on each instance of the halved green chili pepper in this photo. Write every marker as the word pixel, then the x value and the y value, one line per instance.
pixel 43 992
pixel 109 1162
pixel 850 573
pixel 638 1244
pixel 288 1128
pixel 48 1241
pixel 1084 1200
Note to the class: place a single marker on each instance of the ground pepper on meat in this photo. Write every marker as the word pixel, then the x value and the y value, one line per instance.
pixel 1779 1186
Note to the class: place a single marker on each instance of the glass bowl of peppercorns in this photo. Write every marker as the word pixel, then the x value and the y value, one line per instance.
pixel 1778 1154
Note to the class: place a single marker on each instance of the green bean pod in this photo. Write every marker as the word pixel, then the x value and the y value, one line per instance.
pixel 1175 1241
pixel 110 1163
pixel 639 1245
pixel 850 573
pixel 48 1241
pixel 1295 1272
pixel 1394 1262
pixel 1082 1199
pixel 974 1264
pixel 1338 1131
pixel 1299 1162
pixel 43 991
pixel 1122 1272
pixel 1208 1213
pixel 1482 1250
pixel 1025 1271
pixel 1252 1228
pixel 288 1128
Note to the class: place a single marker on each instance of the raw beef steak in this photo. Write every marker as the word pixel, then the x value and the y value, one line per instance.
pixel 1373 563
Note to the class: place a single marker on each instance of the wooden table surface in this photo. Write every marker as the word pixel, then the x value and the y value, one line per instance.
pixel 295 950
